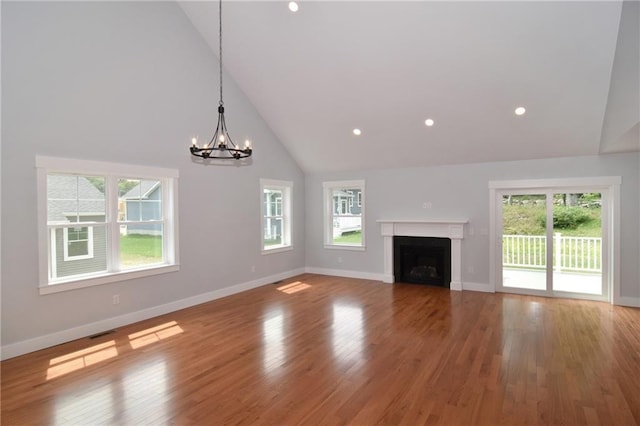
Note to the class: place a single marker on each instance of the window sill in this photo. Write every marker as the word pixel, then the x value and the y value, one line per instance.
pixel 77 283
pixel 277 249
pixel 344 247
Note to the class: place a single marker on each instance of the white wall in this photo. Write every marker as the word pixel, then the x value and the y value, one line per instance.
pixel 622 115
pixel 461 192
pixel 127 82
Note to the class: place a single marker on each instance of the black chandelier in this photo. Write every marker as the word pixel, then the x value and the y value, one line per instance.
pixel 220 146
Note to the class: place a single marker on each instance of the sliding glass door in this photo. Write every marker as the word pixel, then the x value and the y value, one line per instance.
pixel 552 242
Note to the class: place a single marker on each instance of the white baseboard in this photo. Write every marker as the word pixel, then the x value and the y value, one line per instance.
pixel 486 288
pixel 346 273
pixel 633 302
pixel 37 343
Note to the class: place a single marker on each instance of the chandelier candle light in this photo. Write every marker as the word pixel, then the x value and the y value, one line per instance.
pixel 220 146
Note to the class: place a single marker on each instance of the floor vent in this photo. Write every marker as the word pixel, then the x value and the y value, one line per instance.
pixel 103 333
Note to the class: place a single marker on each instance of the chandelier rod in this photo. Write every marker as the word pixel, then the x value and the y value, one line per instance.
pixel 220 45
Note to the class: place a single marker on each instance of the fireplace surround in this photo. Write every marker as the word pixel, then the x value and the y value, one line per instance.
pixel 451 228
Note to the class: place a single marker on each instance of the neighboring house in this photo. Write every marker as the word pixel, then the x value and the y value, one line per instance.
pixel 347 209
pixel 273 215
pixel 348 201
pixel 81 248
pixel 142 203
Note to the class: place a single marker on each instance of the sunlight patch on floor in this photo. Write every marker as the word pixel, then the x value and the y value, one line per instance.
pixel 154 334
pixel 82 358
pixel 293 287
pixel 79 359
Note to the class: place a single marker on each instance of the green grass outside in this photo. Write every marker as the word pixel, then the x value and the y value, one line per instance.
pixel 592 228
pixel 139 250
pixel 271 242
pixel 523 220
pixel 349 238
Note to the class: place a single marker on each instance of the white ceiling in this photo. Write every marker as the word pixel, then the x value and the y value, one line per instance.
pixel 385 67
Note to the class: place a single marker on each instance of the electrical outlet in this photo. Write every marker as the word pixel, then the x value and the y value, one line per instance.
pixel 471 269
pixel 339 260
pixel 427 205
pixel 253 268
pixel 116 299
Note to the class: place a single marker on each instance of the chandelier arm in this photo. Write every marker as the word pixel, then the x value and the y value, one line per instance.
pixel 218 131
pixel 227 137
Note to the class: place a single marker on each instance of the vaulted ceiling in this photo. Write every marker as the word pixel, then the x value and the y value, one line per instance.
pixel 386 67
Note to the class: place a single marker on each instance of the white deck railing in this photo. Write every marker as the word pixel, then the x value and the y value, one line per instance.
pixel 582 254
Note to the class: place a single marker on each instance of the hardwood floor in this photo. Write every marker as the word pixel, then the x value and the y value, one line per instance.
pixel 327 350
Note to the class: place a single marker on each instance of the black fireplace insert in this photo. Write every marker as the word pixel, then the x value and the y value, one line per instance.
pixel 422 260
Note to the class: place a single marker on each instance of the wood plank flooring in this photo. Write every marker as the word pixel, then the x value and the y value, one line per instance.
pixel 325 350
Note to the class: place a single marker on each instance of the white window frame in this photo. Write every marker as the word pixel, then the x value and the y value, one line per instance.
pixel 111 172
pixel 286 187
pixel 329 213
pixel 89 240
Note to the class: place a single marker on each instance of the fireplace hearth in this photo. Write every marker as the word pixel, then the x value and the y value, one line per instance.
pixel 422 260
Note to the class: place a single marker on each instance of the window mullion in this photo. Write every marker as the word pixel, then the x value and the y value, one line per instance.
pixel 112 225
pixel 168 199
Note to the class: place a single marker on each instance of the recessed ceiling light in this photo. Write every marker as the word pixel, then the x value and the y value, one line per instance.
pixel 357 132
pixel 293 6
pixel 520 111
pixel 429 122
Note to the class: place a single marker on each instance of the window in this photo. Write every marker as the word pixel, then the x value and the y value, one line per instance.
pixel 78 243
pixel 344 214
pixel 103 222
pixel 276 215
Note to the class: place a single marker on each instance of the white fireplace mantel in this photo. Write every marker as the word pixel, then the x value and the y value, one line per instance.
pixel 449 228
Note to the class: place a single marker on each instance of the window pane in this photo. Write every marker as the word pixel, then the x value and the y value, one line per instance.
pixel 78 242
pixel 272 202
pixel 276 215
pixel 347 230
pixel 347 216
pixel 273 232
pixel 78 248
pixel 78 234
pixel 140 245
pixel 72 198
pixel 139 200
pixel 345 201
pixel 82 251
